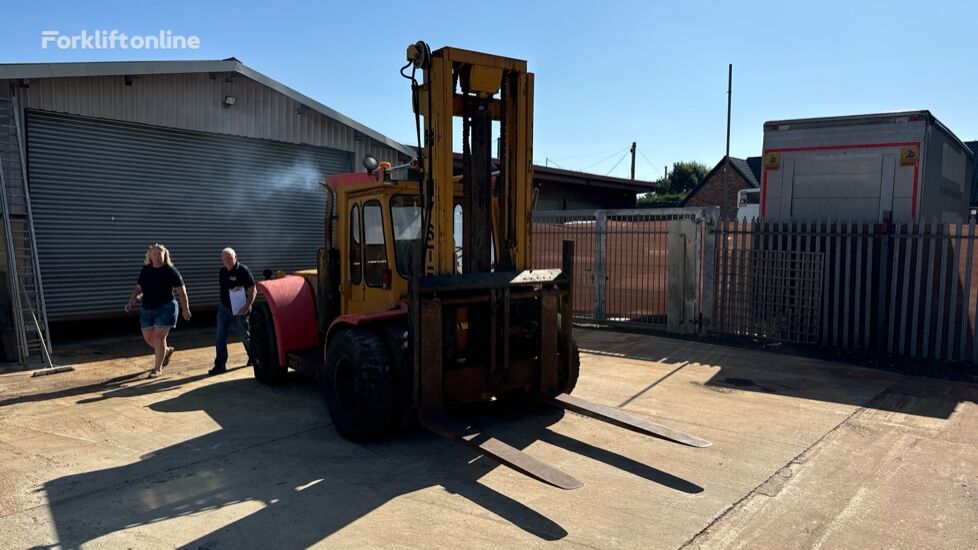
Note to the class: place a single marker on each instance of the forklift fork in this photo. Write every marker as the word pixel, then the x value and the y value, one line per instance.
pixel 554 299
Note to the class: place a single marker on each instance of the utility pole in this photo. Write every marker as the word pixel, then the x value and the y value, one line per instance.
pixel 633 161
pixel 729 96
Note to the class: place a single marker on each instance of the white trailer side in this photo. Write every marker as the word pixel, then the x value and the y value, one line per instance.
pixel 898 167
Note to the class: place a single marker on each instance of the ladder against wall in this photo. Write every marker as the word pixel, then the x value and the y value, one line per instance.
pixel 26 315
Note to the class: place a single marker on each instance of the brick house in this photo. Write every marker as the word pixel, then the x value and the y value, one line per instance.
pixel 720 186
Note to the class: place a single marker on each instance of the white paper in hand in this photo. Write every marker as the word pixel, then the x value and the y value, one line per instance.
pixel 238 299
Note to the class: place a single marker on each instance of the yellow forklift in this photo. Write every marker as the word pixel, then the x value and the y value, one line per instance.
pixel 403 320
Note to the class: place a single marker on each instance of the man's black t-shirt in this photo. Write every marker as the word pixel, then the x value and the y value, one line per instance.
pixel 158 284
pixel 239 275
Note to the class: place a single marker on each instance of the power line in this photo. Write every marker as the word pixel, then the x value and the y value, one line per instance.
pixel 612 155
pixel 584 156
pixel 648 161
pixel 619 161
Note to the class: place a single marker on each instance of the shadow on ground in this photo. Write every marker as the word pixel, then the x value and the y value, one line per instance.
pixel 109 351
pixel 80 342
pixel 788 375
pixel 309 482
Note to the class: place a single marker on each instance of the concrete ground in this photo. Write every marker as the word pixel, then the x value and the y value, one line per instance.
pixel 806 454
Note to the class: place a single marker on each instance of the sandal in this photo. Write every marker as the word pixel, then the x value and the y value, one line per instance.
pixel 166 356
pixel 155 373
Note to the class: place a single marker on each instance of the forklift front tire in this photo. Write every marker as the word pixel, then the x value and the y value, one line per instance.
pixel 264 348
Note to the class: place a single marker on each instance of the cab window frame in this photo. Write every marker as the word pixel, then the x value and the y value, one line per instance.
pixel 370 272
pixel 356 245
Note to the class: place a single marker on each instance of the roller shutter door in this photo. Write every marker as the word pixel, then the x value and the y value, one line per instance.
pixel 102 191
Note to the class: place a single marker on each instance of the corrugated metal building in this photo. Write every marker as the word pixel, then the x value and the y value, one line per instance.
pixel 198 155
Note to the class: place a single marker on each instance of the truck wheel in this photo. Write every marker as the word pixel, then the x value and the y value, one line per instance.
pixel 567 378
pixel 264 349
pixel 358 384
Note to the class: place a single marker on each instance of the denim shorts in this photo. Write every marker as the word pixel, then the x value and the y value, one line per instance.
pixel 163 316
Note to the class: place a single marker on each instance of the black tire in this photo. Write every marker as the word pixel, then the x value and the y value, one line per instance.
pixel 264 348
pixel 396 341
pixel 567 378
pixel 358 385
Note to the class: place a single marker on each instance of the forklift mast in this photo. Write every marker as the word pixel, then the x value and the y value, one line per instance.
pixel 481 89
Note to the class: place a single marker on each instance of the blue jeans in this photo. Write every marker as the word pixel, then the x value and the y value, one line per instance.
pixel 224 321
pixel 164 316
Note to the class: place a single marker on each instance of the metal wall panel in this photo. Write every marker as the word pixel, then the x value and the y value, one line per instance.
pixel 564 196
pixel 103 191
pixel 195 101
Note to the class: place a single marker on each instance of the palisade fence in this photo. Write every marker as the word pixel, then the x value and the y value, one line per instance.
pixel 907 290
pixel 897 289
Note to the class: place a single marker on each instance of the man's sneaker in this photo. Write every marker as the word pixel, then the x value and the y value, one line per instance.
pixel 217 370
pixel 166 356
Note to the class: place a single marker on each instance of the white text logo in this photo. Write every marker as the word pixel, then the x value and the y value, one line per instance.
pixel 110 40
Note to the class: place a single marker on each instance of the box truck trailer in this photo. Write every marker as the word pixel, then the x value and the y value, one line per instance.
pixel 895 167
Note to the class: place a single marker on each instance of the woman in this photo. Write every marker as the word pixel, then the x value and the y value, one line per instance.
pixel 156 283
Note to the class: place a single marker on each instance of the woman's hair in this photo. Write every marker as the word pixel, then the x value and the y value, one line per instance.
pixel 166 254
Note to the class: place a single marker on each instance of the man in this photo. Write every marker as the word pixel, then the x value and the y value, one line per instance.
pixel 234 278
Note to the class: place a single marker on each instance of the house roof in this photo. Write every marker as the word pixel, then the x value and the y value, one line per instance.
pixel 740 165
pixel 572 177
pixel 583 178
pixel 755 167
pixel 973 145
pixel 28 71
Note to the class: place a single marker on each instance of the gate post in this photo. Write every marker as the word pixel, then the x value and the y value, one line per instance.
pixel 600 263
pixel 707 230
pixel 682 277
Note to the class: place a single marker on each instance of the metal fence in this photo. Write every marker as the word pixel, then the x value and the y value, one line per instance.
pixel 904 289
pixel 632 267
pixel 898 289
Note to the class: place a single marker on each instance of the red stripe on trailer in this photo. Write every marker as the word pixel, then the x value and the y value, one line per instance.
pixel 763 191
pixel 831 147
pixel 913 196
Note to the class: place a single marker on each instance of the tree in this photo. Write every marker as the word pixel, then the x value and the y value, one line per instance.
pixel 684 176
pixel 670 190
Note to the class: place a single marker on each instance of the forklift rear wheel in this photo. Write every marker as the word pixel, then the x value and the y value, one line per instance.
pixel 264 349
pixel 358 384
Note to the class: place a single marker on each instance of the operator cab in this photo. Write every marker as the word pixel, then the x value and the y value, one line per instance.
pixel 379 236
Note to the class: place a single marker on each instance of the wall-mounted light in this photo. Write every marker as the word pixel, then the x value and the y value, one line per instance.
pixel 230 100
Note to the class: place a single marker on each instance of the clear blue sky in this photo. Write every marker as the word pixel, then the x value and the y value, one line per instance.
pixel 607 73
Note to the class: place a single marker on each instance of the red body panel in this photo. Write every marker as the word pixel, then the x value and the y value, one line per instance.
pixel 355 319
pixel 354 179
pixel 293 307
